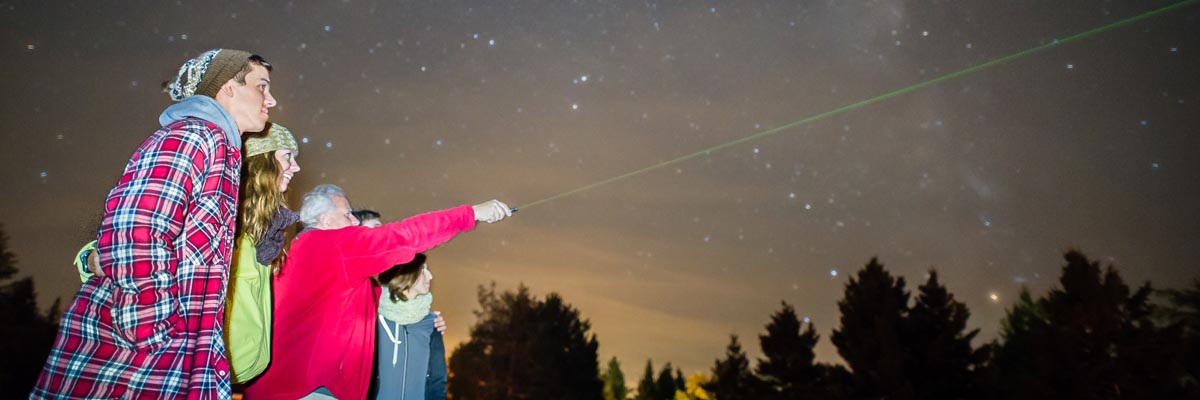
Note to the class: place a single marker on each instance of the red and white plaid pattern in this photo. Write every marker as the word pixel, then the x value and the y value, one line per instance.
pixel 152 327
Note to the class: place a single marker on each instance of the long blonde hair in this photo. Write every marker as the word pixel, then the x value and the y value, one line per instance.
pixel 260 195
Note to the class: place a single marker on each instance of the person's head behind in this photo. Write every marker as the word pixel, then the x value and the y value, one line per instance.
pixel 267 169
pixel 408 280
pixel 238 80
pixel 326 207
pixel 367 218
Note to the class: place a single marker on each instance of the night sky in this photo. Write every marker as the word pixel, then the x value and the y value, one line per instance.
pixel 417 106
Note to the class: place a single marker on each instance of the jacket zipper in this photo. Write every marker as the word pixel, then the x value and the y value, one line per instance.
pixel 404 376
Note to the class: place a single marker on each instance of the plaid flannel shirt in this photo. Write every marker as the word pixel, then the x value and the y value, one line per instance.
pixel 152 328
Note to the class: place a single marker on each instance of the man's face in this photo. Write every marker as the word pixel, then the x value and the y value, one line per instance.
pixel 339 217
pixel 248 103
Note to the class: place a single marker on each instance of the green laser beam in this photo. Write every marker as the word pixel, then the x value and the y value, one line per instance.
pixel 876 99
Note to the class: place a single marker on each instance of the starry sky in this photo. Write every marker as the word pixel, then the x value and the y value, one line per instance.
pixel 417 106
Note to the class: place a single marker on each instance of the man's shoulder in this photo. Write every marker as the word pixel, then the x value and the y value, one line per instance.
pixel 317 236
pixel 325 241
pixel 307 237
pixel 349 230
pixel 191 125
pixel 192 130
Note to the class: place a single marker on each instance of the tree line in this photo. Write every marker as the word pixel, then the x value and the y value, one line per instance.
pixel 1091 337
pixel 26 333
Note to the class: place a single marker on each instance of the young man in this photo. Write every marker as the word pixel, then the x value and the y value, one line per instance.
pixel 150 327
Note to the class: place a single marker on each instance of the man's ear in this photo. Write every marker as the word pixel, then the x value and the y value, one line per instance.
pixel 227 88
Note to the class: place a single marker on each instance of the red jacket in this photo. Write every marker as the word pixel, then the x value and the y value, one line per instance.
pixel 325 301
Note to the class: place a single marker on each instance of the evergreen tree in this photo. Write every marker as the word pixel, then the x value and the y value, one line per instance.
pixel 526 348
pixel 26 334
pixel 680 382
pixel 838 383
pixel 614 381
pixel 8 260
pixel 870 337
pixel 1184 308
pixel 940 362
pixel 664 386
pixel 732 378
pixel 646 388
pixel 788 369
pixel 470 376
pixel 1015 349
pixel 1184 312
pixel 1089 339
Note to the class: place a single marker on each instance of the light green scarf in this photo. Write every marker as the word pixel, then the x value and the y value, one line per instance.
pixel 404 312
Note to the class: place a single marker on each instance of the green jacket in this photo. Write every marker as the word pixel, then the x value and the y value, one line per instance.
pixel 81 261
pixel 247 309
pixel 248 313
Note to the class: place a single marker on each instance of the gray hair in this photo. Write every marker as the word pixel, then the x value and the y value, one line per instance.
pixel 317 202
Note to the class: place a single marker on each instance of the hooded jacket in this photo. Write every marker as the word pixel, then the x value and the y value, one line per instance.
pixel 402 358
pixel 205 108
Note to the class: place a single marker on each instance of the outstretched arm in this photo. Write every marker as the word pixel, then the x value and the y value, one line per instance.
pixel 368 251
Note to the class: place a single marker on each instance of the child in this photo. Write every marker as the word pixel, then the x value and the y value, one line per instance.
pixel 410 356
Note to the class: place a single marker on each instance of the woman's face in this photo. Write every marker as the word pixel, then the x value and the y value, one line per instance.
pixel 421 286
pixel 287 167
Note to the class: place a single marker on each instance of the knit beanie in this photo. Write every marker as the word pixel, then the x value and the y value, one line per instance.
pixel 206 73
pixel 276 138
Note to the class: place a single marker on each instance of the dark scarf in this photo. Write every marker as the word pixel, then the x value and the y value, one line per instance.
pixel 271 244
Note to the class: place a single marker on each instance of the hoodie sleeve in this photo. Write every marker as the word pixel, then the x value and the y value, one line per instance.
pixel 368 251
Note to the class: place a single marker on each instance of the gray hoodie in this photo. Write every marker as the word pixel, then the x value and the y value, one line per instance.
pixel 205 108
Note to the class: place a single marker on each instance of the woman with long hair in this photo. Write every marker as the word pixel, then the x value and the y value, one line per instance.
pixel 269 162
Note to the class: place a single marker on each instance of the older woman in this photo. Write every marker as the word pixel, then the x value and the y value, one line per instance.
pixel 268 168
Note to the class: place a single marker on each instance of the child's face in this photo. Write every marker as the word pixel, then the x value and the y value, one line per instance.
pixel 422 284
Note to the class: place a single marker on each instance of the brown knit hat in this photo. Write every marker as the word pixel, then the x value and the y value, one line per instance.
pixel 206 73
pixel 275 138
